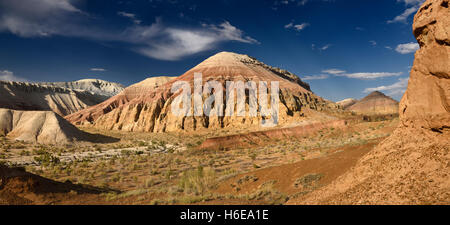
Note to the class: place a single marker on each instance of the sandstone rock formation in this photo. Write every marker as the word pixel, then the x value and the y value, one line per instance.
pixel 427 100
pixel 412 165
pixel 151 111
pixel 33 96
pixel 347 102
pixel 102 88
pixel 375 103
pixel 44 127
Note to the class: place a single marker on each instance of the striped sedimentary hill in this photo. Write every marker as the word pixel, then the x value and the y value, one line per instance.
pixel 150 111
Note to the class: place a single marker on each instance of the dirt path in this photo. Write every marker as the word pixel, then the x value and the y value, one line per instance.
pixel 284 177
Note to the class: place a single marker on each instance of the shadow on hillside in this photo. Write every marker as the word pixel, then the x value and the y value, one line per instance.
pixel 17 180
pixel 100 138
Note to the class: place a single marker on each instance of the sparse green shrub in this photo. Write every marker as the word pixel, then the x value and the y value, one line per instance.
pixel 308 181
pixel 46 159
pixel 197 181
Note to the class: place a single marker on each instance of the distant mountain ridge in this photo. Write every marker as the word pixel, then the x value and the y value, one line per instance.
pixel 374 103
pixel 97 86
pixel 347 102
pixel 62 98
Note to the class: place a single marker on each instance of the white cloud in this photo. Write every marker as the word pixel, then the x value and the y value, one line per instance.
pixel 287 2
pixel 362 76
pixel 325 47
pixel 28 18
pixel 412 2
pixel 7 75
pixel 394 89
pixel 365 76
pixel 98 69
pixel 131 16
pixel 407 48
pixel 402 18
pixel 60 17
pixel 297 27
pixel 413 5
pixel 373 43
pixel 174 43
pixel 318 77
pixel 334 71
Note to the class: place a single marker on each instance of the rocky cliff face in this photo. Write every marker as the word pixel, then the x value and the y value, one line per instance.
pixel 375 103
pixel 412 165
pixel 33 96
pixel 44 127
pixel 151 111
pixel 427 100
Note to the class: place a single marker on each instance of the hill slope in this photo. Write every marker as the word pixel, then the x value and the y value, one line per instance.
pixel 152 110
pixel 375 103
pixel 144 87
pixel 44 127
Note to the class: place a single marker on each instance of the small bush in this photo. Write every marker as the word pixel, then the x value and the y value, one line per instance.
pixel 197 181
pixel 46 159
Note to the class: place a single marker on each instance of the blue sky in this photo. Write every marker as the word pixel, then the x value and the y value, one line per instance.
pixel 343 48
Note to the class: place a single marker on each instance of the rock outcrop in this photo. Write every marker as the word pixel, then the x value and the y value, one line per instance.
pixel 45 127
pixel 101 88
pixel 347 102
pixel 151 111
pixel 375 103
pixel 426 102
pixel 412 165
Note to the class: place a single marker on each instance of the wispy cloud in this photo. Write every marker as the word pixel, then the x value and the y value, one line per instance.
pixel 325 47
pixel 334 71
pixel 373 43
pixel 288 2
pixel 413 6
pixel 297 27
pixel 7 75
pixel 317 77
pixel 130 16
pixel 368 76
pixel 98 69
pixel 397 88
pixel 407 48
pixel 61 18
pixel 174 43
pixel 362 76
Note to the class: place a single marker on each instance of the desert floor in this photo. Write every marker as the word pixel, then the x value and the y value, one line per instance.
pixel 157 168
